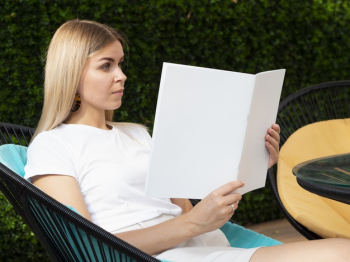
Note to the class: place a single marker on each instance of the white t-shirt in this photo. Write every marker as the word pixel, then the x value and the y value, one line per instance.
pixel 110 167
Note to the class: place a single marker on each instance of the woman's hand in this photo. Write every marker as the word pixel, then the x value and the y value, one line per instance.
pixel 272 143
pixel 215 209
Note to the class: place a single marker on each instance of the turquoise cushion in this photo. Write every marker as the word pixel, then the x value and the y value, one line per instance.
pixel 14 157
pixel 239 236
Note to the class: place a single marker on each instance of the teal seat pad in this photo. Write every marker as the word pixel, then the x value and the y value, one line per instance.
pixel 241 237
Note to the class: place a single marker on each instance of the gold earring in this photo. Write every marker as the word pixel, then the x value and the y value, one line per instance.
pixel 77 102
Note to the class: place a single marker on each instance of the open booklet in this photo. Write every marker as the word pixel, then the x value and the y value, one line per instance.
pixel 209 129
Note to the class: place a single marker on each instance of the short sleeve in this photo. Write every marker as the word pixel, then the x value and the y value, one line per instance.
pixel 48 154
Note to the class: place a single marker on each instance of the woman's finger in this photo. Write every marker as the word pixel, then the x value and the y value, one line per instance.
pixel 272 141
pixel 228 188
pixel 232 198
pixel 233 207
pixel 274 134
pixel 272 149
pixel 277 128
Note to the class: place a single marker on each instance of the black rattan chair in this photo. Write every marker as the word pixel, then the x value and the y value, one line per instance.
pixel 66 235
pixel 313 104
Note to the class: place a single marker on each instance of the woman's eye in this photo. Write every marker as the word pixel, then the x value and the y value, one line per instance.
pixel 106 66
pixel 120 64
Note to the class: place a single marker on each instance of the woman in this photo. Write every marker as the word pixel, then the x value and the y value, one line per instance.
pixel 82 159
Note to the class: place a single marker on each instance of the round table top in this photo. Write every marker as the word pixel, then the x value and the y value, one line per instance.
pixel 332 170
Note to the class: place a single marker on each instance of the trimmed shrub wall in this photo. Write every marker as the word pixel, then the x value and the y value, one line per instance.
pixel 308 38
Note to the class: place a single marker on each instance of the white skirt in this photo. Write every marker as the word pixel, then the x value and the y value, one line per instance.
pixel 211 246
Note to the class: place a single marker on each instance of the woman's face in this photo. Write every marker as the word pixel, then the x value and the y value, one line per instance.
pixel 102 82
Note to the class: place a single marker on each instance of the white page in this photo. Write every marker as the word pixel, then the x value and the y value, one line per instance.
pixel 263 112
pixel 199 128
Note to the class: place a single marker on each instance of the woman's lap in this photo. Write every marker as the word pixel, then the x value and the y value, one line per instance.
pixel 212 246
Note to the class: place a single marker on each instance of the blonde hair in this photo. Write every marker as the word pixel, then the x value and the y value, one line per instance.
pixel 72 44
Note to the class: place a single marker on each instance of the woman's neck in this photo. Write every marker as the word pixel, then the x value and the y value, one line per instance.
pixel 95 120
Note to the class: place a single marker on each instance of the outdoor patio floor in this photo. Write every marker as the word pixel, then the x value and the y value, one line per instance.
pixel 279 229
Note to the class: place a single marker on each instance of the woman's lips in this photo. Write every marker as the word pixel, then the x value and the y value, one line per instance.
pixel 119 92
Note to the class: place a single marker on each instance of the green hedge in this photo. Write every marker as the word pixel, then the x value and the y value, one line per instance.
pixel 308 38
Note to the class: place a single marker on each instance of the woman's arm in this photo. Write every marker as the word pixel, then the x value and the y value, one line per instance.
pixel 64 189
pixel 209 214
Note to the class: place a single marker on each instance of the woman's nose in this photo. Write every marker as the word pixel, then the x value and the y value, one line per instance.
pixel 119 76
